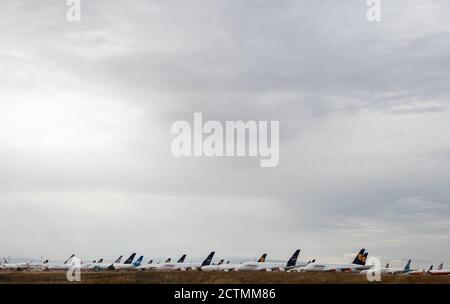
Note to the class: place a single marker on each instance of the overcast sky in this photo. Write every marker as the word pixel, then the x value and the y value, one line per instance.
pixel 86 110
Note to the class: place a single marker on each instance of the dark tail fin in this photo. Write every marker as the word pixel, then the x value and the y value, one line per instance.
pixel 208 259
pixel 220 262
pixel 407 266
pixel 45 262
pixel 151 261
pixel 100 261
pixel 293 260
pixel 168 260
pixel 130 259
pixel 66 261
pixel 228 262
pixel 431 268
pixel 119 259
pixel 181 260
pixel 441 266
pixel 262 259
pixel 359 259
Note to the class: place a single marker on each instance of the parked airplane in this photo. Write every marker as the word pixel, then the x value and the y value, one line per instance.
pixel 66 265
pixel 100 265
pixel 212 267
pixel 228 266
pixel 440 270
pixel 419 271
pixel 359 263
pixel 168 265
pixel 14 266
pixel 192 266
pixel 262 265
pixel 392 270
pixel 128 264
pixel 150 265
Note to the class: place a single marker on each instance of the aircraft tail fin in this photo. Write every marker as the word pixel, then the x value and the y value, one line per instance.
pixel 293 260
pixel 407 266
pixel 100 261
pixel 119 259
pixel 387 265
pixel 220 262
pixel 359 259
pixel 441 266
pixel 130 259
pixel 208 259
pixel 181 260
pixel 262 259
pixel 66 261
pixel 149 262
pixel 138 262
pixel 168 260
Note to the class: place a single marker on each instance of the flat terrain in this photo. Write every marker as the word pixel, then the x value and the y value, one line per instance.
pixel 198 277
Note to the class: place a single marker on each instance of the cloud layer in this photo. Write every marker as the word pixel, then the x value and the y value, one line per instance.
pixel 86 110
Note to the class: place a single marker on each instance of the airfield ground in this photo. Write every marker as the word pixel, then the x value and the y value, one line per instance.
pixel 198 277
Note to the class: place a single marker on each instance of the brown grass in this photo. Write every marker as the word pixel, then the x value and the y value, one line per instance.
pixel 198 277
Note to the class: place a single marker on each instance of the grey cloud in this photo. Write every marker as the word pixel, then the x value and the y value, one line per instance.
pixel 86 109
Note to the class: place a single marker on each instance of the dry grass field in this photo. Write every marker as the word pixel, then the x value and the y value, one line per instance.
pixel 198 277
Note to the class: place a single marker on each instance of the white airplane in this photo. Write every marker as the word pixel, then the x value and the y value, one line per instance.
pixel 388 270
pixel 212 267
pixel 100 265
pixel 419 271
pixel 228 267
pixel 58 266
pixel 192 266
pixel 168 265
pixel 128 264
pixel 262 265
pixel 358 264
pixel 14 266
pixel 38 266
pixel 440 270
pixel 151 266
pixel 85 265
pixel 147 266
pixel 235 267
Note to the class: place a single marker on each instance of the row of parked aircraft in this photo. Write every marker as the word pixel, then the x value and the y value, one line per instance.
pixel 358 264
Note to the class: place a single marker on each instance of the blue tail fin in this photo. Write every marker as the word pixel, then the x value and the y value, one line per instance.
pixel 407 266
pixel 138 262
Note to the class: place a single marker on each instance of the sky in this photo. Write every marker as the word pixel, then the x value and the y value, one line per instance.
pixel 86 110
